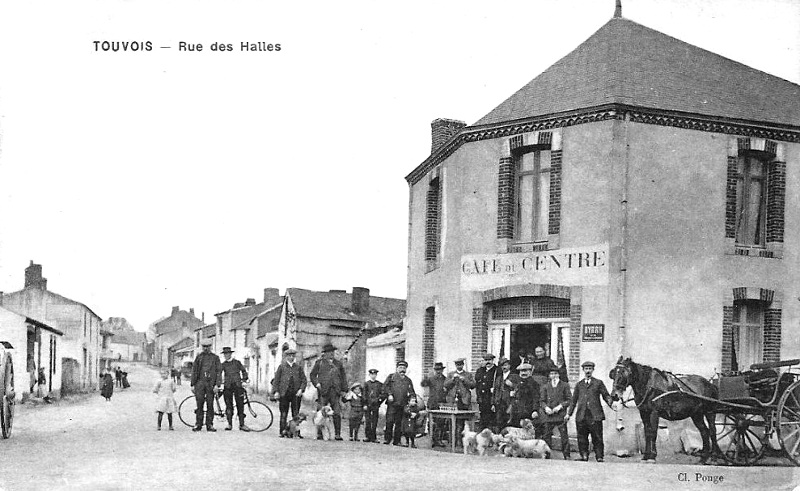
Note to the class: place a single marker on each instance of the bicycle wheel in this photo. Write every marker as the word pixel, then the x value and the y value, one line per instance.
pixel 186 411
pixel 258 416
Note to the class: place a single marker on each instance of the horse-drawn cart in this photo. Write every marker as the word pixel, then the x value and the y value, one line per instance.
pixel 756 410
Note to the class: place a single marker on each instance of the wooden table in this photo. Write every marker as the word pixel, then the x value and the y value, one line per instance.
pixel 452 415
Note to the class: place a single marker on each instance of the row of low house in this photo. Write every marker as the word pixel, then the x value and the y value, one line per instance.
pixel 60 345
pixel 358 324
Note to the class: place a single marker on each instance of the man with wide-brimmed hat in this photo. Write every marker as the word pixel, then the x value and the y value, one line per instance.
pixel 436 395
pixel 329 377
pixel 205 375
pixel 233 376
pixel 484 386
pixel 588 412
pixel 505 383
pixel 288 386
pixel 373 397
pixel 398 389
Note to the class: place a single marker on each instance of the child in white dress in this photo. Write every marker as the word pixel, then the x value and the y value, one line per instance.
pixel 165 403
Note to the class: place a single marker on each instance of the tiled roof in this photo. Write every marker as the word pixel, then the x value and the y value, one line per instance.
pixel 209 330
pixel 627 63
pixel 395 336
pixel 338 306
pixel 128 337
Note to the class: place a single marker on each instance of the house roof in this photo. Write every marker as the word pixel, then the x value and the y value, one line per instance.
pixel 209 331
pixel 42 325
pixel 183 343
pixel 395 336
pixel 337 305
pixel 128 337
pixel 628 63
pixel 61 298
pixel 256 311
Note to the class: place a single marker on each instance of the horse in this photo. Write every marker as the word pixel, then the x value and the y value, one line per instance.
pixel 649 383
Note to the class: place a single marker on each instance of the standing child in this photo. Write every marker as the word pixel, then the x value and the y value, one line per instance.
pixel 357 407
pixel 107 386
pixel 409 422
pixel 165 388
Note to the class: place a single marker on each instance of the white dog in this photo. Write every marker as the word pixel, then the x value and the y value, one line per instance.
pixel 529 449
pixel 468 439
pixel 484 440
pixel 323 422
pixel 526 432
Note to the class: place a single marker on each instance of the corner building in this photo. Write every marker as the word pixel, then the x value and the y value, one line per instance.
pixel 639 197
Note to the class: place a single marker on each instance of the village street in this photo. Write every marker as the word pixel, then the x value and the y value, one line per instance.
pixel 92 444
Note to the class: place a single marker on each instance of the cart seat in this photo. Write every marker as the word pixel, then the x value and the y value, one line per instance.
pixel 762 377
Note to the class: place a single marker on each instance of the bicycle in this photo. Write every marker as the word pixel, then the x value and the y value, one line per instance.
pixel 258 416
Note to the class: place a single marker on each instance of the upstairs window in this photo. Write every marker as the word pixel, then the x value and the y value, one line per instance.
pixel 532 196
pixel 751 200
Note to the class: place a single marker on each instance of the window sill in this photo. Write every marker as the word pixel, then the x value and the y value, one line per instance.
pixel 431 265
pixel 538 246
pixel 754 251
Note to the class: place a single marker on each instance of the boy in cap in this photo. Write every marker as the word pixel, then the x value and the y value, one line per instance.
pixel 555 401
pixel 329 378
pixel 205 375
pixel 398 389
pixel 436 395
pixel 288 386
pixel 589 417
pixel 373 397
pixel 233 375
pixel 357 407
pixel 484 386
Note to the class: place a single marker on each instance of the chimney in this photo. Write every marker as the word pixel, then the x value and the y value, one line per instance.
pixel 271 296
pixel 442 130
pixel 360 299
pixel 175 309
pixel 250 302
pixel 203 317
pixel 33 277
pixel 191 311
pixel 1 299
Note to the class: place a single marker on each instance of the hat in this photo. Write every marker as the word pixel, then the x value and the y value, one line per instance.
pixel 460 361
pixel 290 351
pixel 503 361
pixel 525 366
pixel 206 342
pixel 438 366
pixel 354 385
pixel 373 370
pixel 402 363
pixel 555 369
pixel 227 349
pixel 488 356
pixel 328 348
pixel 587 364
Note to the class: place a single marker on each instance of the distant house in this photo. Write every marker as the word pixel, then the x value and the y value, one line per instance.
pixel 36 346
pixel 127 344
pixel 310 319
pixel 265 326
pixel 106 355
pixel 385 350
pixel 80 348
pixel 181 352
pixel 168 331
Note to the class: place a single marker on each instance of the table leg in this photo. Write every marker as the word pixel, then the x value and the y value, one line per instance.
pixel 452 433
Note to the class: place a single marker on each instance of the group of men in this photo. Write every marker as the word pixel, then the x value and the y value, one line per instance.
pixel 534 390
pixel 209 376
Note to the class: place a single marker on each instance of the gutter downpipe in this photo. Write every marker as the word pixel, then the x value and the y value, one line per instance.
pixel 623 266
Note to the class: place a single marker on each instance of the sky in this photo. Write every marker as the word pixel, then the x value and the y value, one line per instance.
pixel 142 180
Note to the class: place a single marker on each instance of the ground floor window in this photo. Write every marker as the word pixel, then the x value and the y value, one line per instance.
pixel 747 345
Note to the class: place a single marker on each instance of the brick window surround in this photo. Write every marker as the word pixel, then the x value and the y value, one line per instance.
pixel 428 340
pixel 772 327
pixel 507 193
pixel 773 155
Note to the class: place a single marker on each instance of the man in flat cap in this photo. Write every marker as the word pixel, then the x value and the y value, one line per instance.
pixel 436 395
pixel 233 376
pixel 373 397
pixel 555 400
pixel 459 385
pixel 589 413
pixel 398 389
pixel 484 386
pixel 525 397
pixel 329 377
pixel 505 383
pixel 288 386
pixel 205 376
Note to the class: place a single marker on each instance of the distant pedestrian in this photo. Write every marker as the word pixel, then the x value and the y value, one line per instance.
pixel 118 376
pixel 125 383
pixel 165 403
pixel 357 407
pixel 107 386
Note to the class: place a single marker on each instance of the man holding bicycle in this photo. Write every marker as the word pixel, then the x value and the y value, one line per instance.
pixel 205 376
pixel 233 376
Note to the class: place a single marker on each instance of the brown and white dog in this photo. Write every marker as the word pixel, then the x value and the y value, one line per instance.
pixel 292 429
pixel 526 432
pixel 529 449
pixel 323 422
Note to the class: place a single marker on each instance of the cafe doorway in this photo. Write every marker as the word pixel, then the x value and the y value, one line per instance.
pixel 526 337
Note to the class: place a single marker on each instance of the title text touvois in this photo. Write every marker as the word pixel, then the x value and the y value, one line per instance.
pixel 133 46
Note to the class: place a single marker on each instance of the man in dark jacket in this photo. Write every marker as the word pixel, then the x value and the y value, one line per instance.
pixel 525 398
pixel 329 378
pixel 555 401
pixel 542 365
pixel 288 386
pixel 232 376
pixel 504 384
pixel 373 396
pixel 205 374
pixel 484 386
pixel 589 417
pixel 398 389
pixel 436 395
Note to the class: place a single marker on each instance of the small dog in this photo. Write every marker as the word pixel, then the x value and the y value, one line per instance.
pixel 526 432
pixel 484 440
pixel 323 422
pixel 468 440
pixel 529 449
pixel 292 429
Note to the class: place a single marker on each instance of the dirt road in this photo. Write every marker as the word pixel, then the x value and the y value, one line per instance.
pixel 92 444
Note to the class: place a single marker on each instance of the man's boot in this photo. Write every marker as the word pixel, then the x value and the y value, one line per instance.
pixel 230 424
pixel 242 426
pixel 337 426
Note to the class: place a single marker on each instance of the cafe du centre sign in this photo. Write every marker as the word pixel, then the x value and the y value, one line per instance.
pixel 582 266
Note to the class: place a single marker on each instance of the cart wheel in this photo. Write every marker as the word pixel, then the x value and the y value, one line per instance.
pixel 740 437
pixel 7 401
pixel 788 422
